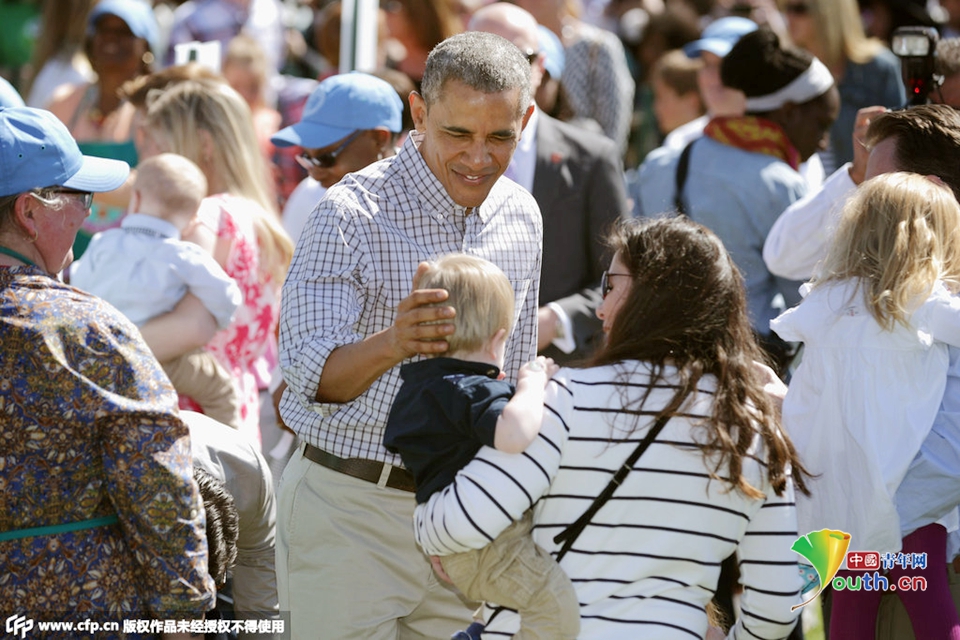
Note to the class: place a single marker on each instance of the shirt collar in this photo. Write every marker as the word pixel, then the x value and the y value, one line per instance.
pixel 442 366
pixel 523 165
pixel 149 225
pixel 528 139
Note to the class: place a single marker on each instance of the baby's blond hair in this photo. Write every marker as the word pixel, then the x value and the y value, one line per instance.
pixel 481 294
pixel 172 186
pixel 898 237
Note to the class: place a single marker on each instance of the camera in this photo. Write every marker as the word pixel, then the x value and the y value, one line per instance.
pixel 917 49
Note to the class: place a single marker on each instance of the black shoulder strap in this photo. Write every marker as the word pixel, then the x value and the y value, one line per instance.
pixel 569 535
pixel 683 166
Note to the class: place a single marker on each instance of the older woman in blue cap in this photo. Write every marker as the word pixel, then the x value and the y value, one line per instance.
pixel 98 512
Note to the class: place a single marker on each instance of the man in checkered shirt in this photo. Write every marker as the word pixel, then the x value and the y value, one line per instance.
pixel 347 562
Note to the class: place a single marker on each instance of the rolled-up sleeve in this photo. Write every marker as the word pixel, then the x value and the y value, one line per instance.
pixel 322 300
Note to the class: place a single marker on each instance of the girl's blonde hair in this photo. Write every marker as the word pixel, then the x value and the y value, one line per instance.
pixel 230 156
pixel 481 294
pixel 840 28
pixel 898 237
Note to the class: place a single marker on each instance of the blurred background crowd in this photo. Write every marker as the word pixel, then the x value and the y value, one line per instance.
pixel 613 65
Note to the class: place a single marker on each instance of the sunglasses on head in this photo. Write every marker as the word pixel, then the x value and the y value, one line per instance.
pixel 797 8
pixel 605 286
pixel 328 159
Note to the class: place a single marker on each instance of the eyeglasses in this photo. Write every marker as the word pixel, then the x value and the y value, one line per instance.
pixel 531 55
pixel 605 286
pixel 797 8
pixel 326 160
pixel 85 197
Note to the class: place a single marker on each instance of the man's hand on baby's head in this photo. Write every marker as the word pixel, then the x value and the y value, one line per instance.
pixel 421 327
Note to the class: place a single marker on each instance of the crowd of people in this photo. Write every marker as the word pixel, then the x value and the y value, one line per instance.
pixel 567 320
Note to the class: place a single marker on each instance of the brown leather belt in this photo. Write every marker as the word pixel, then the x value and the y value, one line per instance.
pixel 369 470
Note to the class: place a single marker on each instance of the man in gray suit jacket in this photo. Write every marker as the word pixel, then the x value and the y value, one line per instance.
pixel 576 177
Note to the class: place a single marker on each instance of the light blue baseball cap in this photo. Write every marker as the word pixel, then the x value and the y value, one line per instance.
pixel 340 105
pixel 720 36
pixel 137 14
pixel 553 57
pixel 37 150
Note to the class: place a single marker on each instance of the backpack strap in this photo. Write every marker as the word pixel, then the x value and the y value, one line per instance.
pixel 683 167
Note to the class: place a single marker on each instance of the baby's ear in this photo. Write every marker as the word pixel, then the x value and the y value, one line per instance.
pixel 422 269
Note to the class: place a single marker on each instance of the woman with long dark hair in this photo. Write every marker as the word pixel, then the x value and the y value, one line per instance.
pixel 679 383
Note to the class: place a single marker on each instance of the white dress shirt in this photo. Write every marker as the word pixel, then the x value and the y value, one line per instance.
pixel 144 269
pixel 523 165
pixel 800 237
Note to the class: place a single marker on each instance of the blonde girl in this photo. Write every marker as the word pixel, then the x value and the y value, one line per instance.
pixel 876 326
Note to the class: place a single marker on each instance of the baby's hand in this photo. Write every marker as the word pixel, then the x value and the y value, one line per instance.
pixel 772 385
pixel 438 568
pixel 542 366
pixel 713 633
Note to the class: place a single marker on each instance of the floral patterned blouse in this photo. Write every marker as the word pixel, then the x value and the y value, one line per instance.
pixel 90 428
pixel 241 346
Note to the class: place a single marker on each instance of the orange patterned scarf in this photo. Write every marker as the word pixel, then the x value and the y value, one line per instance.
pixel 751 133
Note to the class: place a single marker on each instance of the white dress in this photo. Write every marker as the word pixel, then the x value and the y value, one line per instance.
pixel 860 404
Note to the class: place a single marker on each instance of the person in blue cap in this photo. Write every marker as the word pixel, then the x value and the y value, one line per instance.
pixel 122 36
pixel 350 120
pixel 98 513
pixel 714 44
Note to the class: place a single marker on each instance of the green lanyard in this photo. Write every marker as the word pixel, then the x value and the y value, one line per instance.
pixel 51 530
pixel 18 256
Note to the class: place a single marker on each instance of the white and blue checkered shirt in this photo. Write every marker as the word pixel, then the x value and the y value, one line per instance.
pixel 355 262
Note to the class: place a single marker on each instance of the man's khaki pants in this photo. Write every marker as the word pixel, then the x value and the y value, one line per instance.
pixel 348 567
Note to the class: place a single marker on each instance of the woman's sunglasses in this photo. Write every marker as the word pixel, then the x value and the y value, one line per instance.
pixel 85 197
pixel 605 286
pixel 326 160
